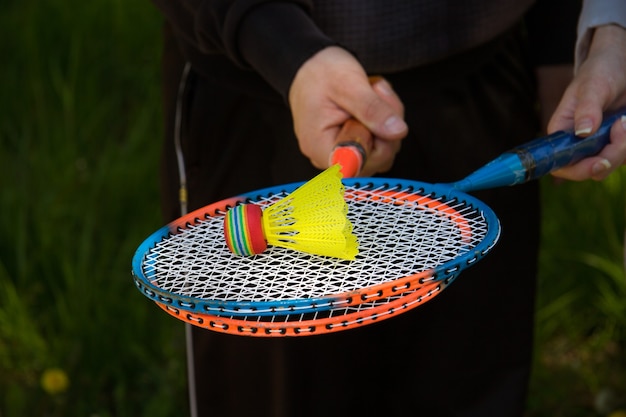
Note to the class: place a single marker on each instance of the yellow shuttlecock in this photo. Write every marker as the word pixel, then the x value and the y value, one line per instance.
pixel 312 219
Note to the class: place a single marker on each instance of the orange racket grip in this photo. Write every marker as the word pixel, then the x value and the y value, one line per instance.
pixel 352 148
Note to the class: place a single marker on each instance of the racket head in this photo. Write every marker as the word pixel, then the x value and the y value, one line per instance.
pixel 316 323
pixel 410 233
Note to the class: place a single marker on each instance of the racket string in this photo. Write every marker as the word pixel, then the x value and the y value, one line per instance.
pixel 194 262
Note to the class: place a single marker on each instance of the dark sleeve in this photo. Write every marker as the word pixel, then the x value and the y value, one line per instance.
pixel 551 26
pixel 272 38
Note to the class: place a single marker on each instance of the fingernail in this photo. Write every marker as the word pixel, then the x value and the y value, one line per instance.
pixel 623 121
pixel 583 127
pixel 601 167
pixel 384 87
pixel 395 125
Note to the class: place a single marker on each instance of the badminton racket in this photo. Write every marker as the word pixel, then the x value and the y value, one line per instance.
pixel 410 233
pixel 401 226
pixel 338 318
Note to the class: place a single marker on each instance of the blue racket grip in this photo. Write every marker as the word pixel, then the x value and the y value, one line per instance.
pixel 538 157
pixel 544 155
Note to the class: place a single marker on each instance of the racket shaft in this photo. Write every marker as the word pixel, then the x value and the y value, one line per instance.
pixel 538 158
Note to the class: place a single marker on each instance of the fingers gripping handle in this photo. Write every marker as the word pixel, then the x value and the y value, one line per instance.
pixel 352 148
pixel 353 145
pixel 560 149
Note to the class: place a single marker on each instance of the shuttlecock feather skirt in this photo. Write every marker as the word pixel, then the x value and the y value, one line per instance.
pixel 312 219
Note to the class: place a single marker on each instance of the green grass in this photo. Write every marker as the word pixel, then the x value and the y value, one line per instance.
pixel 581 313
pixel 80 133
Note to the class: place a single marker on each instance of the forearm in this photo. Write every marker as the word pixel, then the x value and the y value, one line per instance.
pixel 251 33
pixel 597 13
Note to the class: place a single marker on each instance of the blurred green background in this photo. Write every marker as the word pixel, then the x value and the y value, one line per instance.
pixel 80 132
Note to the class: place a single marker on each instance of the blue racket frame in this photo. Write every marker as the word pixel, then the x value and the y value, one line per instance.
pixel 145 282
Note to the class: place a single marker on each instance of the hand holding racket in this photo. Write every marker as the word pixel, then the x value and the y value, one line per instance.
pixel 414 240
pixel 524 163
pixel 355 142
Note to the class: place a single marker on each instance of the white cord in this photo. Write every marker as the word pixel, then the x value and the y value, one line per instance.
pixel 182 198
pixel 182 193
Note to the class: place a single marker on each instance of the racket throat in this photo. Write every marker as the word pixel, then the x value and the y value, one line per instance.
pixel 507 169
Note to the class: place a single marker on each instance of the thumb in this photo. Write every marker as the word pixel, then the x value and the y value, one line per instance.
pixel 581 108
pixel 589 111
pixel 385 91
pixel 383 113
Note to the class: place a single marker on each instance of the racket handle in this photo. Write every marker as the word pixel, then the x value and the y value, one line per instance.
pixel 544 155
pixel 539 157
pixel 353 144
pixel 352 148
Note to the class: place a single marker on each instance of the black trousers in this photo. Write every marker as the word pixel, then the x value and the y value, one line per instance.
pixel 465 353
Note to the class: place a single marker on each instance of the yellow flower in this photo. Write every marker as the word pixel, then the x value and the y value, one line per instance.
pixel 54 381
pixel 618 413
